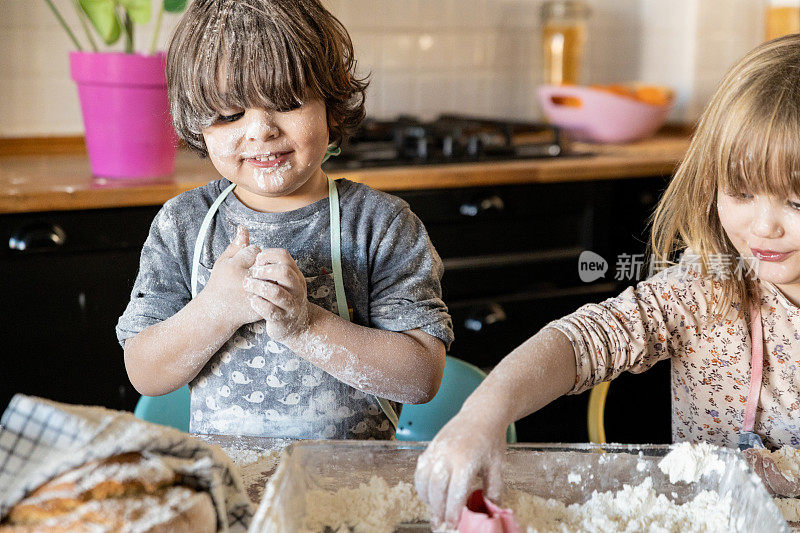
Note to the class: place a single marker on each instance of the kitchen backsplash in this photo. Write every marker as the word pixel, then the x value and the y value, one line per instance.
pixel 478 57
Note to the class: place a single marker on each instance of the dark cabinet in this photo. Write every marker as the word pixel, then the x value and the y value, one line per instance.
pixel 511 266
pixel 67 277
pixel 511 257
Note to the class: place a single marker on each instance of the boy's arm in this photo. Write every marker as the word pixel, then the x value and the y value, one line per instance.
pixel 167 355
pixel 406 366
pixel 403 366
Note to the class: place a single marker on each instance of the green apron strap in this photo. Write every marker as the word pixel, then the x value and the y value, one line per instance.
pixel 201 235
pixel 338 279
pixel 336 250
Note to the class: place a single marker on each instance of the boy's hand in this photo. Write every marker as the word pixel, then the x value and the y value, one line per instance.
pixel 225 288
pixel 277 292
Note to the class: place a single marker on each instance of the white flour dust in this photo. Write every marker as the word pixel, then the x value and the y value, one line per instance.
pixel 276 175
pixel 257 129
pixel 688 462
pixel 375 506
pixel 380 508
pixel 224 144
pixel 634 508
pixel 351 369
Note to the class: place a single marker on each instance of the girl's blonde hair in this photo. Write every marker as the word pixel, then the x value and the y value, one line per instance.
pixel 748 139
pixel 261 53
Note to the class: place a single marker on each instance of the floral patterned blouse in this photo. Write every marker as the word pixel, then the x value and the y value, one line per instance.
pixel 666 317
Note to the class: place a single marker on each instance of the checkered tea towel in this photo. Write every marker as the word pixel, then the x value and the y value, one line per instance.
pixel 40 439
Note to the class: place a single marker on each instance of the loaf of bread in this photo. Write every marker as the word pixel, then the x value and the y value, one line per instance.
pixel 127 492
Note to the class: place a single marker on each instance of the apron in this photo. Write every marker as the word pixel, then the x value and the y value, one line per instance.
pixel 747 437
pixel 336 260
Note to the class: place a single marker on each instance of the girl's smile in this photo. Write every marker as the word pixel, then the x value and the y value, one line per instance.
pixel 770 255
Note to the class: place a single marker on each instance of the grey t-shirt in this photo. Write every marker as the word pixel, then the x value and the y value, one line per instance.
pixel 254 385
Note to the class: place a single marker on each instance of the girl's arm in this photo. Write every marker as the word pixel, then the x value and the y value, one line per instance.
pixel 167 355
pixel 631 332
pixel 473 442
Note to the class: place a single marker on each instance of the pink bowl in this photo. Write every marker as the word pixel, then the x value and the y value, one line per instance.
pixel 601 116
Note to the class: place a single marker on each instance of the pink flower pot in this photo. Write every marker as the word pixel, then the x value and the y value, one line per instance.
pixel 129 132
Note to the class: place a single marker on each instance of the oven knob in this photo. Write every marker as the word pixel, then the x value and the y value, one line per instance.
pixel 474 146
pixel 38 236
pixel 490 203
pixel 492 314
pixel 447 146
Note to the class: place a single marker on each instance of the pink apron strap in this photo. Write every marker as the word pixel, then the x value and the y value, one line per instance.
pixel 756 367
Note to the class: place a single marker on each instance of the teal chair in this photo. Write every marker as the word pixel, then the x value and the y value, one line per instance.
pixel 168 410
pixel 417 422
pixel 422 422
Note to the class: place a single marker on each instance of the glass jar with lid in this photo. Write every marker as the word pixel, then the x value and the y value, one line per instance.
pixel 781 18
pixel 563 40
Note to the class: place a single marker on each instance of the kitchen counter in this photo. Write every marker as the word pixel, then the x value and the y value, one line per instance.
pixel 57 182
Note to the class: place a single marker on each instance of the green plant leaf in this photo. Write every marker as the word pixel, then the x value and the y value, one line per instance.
pixel 174 6
pixel 103 17
pixel 138 10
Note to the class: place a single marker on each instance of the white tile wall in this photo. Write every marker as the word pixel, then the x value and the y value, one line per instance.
pixel 476 57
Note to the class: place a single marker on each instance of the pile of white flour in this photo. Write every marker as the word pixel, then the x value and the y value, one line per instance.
pixel 378 507
pixel 373 507
pixel 634 508
pixel 689 462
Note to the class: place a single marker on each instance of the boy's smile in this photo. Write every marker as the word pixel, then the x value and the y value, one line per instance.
pixel 274 157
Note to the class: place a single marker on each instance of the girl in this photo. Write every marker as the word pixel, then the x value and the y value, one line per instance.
pixel 734 208
pixel 294 306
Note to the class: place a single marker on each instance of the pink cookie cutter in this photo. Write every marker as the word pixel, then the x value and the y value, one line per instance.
pixel 481 515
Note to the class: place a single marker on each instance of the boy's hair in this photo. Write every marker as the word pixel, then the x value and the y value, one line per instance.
pixel 748 139
pixel 261 53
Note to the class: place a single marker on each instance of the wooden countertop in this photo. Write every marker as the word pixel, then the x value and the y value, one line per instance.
pixel 48 182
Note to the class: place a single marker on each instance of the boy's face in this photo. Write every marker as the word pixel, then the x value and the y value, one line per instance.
pixel 768 228
pixel 273 157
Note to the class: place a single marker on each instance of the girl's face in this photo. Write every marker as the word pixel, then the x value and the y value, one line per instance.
pixel 768 228
pixel 271 156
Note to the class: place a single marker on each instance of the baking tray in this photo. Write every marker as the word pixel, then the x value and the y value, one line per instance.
pixel 540 469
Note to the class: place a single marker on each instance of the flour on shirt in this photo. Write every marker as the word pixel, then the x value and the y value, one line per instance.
pixel 253 385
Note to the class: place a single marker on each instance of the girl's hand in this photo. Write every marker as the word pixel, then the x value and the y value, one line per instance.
pixel 224 292
pixel 446 471
pixel 277 292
